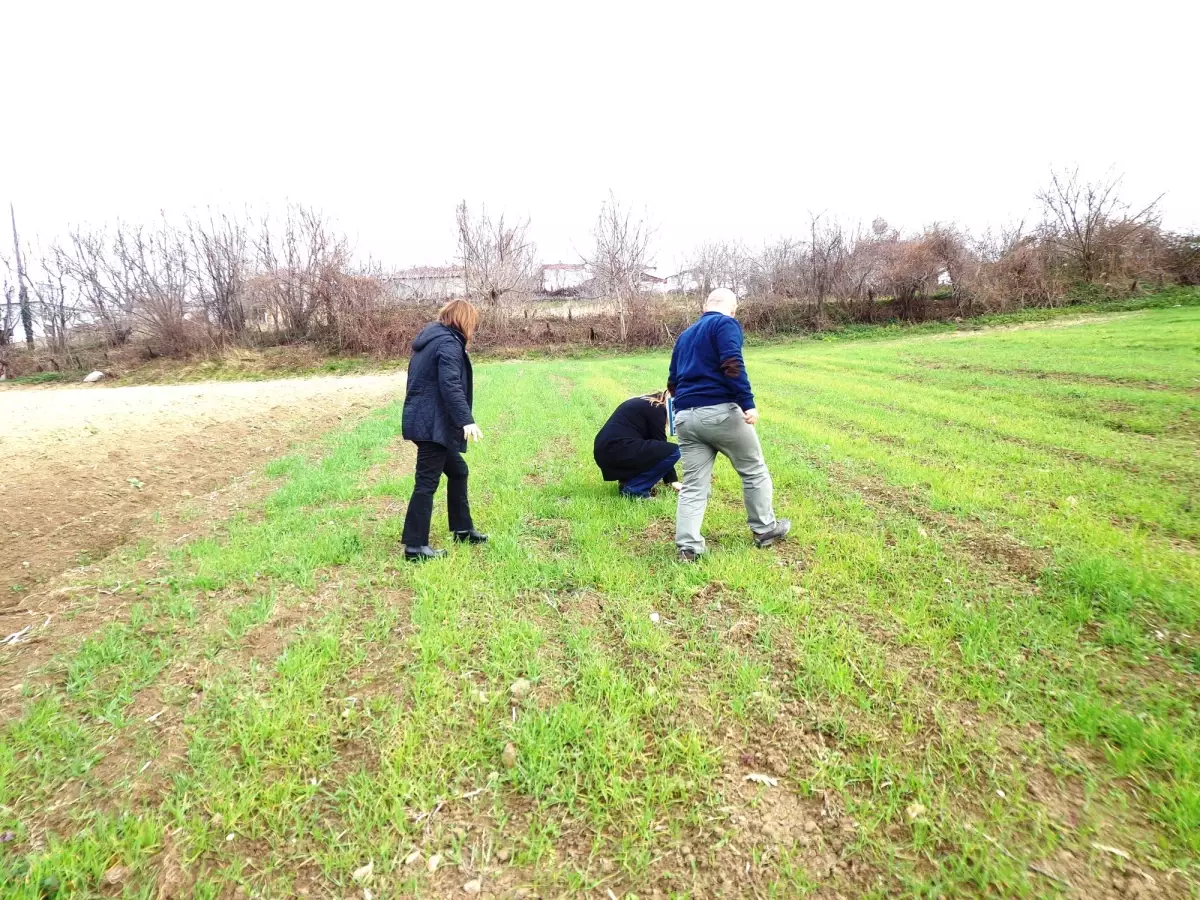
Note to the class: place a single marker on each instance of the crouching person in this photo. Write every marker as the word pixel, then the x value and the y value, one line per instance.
pixel 632 448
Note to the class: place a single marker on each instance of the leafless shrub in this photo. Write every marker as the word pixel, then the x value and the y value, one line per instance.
pixel 715 264
pixel 1181 258
pixel 155 267
pixel 779 270
pixel 1094 229
pixel 1010 269
pixel 219 245
pixel 104 290
pixel 300 261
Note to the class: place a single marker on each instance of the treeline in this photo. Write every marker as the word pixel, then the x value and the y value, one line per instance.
pixel 1088 237
pixel 218 280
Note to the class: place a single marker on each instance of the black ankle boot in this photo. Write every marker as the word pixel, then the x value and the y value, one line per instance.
pixel 470 537
pixel 422 554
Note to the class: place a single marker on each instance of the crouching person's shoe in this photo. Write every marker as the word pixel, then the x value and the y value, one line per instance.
pixel 470 537
pixel 687 556
pixel 776 532
pixel 422 554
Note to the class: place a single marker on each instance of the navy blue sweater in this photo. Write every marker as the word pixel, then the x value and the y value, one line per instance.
pixel 707 367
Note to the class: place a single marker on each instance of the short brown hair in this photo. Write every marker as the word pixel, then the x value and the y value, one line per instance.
pixel 461 315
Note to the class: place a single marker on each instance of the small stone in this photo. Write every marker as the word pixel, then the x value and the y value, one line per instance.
pixel 521 689
pixel 434 862
pixel 607 866
pixel 655 618
pixel 115 875
pixel 413 858
pixel 811 827
pixel 915 811
pixel 364 873
pixel 93 377
pixel 509 756
pixel 474 886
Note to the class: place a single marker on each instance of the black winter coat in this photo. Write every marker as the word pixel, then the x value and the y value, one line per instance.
pixel 633 440
pixel 437 401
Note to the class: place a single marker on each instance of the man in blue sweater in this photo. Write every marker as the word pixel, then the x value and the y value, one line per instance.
pixel 715 413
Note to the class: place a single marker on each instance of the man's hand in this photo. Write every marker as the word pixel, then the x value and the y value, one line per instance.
pixel 472 433
pixel 677 486
pixel 751 416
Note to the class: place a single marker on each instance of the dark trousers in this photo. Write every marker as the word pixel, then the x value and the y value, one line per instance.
pixel 641 485
pixel 432 460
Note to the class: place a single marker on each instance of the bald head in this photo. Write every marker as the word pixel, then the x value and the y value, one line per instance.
pixel 722 300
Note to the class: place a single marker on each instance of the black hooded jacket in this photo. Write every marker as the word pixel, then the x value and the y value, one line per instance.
pixel 437 402
pixel 633 441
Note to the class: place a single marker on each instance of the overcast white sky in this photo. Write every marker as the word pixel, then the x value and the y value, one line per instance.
pixel 722 120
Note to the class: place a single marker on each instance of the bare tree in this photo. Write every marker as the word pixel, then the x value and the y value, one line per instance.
pixel 221 262
pixel 828 261
pixel 620 258
pixel 10 312
pixel 102 285
pixel 721 264
pixel 1080 214
pixel 156 268
pixel 302 265
pixel 499 260
pixel 778 270
pixel 22 286
pixel 55 307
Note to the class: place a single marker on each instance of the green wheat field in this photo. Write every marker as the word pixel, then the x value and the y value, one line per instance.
pixel 973 670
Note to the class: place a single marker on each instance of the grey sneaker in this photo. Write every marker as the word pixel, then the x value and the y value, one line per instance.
pixel 776 533
pixel 688 556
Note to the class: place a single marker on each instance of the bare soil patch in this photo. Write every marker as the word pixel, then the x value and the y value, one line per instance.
pixel 83 465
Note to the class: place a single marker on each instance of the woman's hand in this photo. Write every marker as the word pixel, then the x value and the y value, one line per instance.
pixel 677 486
pixel 472 433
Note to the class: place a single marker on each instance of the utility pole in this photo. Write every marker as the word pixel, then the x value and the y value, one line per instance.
pixel 22 288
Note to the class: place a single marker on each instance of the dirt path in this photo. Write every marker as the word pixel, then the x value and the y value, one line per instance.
pixel 82 465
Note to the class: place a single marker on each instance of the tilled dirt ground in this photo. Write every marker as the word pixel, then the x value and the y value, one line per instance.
pixel 82 465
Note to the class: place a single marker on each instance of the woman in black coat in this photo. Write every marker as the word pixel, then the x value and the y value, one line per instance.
pixel 632 447
pixel 438 419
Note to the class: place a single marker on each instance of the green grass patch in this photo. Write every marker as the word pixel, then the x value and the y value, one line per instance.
pixel 975 660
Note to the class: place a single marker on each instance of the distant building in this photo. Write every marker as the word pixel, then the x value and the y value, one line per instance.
pixel 564 278
pixel 684 282
pixel 427 283
pixel 652 284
